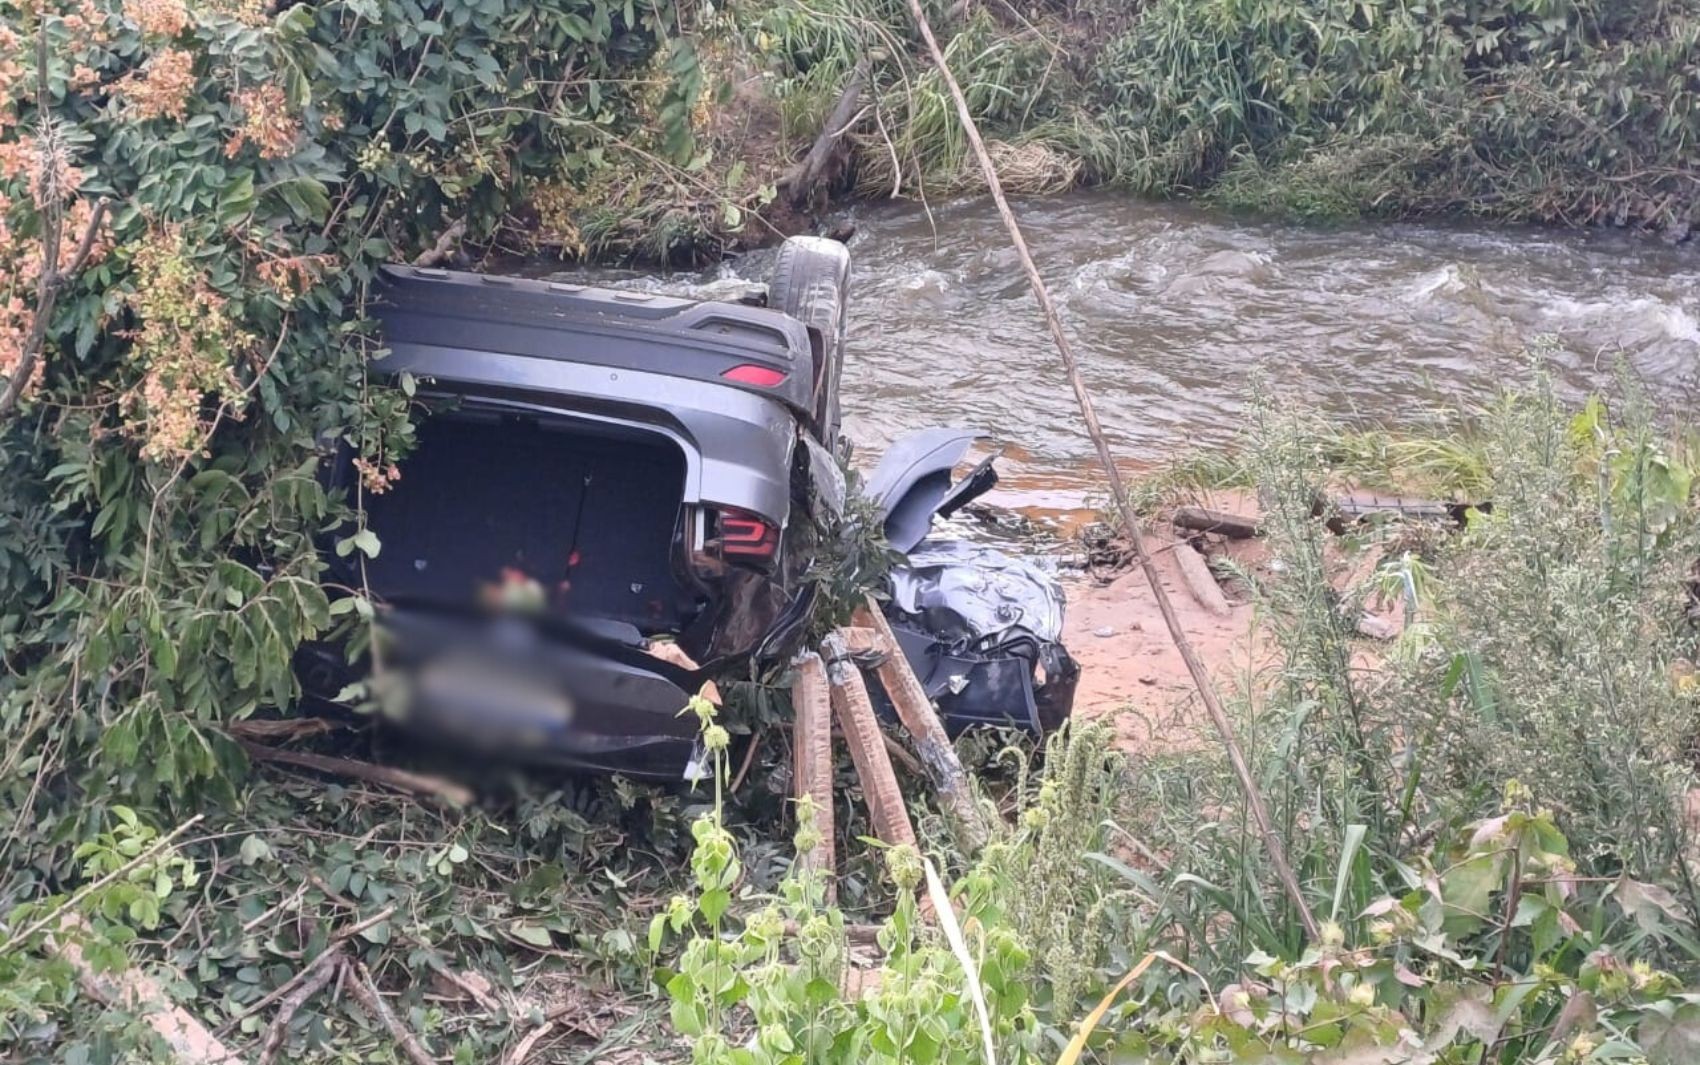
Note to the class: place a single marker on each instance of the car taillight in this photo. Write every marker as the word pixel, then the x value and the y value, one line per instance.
pixel 758 376
pixel 746 537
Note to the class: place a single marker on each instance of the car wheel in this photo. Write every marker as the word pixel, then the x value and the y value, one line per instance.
pixel 811 283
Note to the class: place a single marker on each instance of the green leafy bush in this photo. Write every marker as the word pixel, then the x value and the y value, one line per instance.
pixel 1490 950
pixel 194 197
pixel 1575 111
pixel 767 978
pixel 160 504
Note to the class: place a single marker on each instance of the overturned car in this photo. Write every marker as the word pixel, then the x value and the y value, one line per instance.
pixel 615 499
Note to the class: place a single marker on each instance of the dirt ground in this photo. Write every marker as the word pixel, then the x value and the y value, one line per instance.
pixel 1132 674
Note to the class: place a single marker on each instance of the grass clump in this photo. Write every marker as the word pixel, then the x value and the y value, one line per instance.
pixel 1576 112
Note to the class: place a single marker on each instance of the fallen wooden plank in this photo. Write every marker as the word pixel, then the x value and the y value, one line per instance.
pixel 135 992
pixel 1200 581
pixel 1355 507
pixel 1203 519
pixel 855 713
pixel 938 755
pixel 811 754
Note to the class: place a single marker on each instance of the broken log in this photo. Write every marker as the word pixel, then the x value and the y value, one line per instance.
pixel 1221 522
pixel 938 755
pixel 811 754
pixel 399 779
pixel 800 181
pixel 1200 581
pixel 867 745
pixel 135 992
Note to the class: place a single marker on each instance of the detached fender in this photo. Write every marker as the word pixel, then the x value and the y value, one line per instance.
pixel 912 482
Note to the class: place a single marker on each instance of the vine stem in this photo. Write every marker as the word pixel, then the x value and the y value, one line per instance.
pixel 1129 520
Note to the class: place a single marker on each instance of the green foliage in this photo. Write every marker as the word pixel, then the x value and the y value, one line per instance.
pixel 162 574
pixel 129 876
pixel 1576 111
pixel 776 966
pixel 1561 627
pixel 161 510
pixel 1016 79
pixel 1489 951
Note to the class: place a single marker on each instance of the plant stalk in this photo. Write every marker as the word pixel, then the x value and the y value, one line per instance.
pixel 1130 521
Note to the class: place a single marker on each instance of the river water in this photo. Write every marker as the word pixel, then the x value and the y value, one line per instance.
pixel 1172 308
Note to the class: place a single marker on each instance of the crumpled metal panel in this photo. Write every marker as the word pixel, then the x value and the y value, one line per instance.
pixel 976 593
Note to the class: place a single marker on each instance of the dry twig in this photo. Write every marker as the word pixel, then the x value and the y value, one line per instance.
pixel 366 992
pixel 400 779
pixel 311 981
pixel 445 246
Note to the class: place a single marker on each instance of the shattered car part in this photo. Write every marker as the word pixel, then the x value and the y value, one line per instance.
pixel 964 590
pixel 912 482
pixel 982 630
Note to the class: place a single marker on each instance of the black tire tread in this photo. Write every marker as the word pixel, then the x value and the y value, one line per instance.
pixel 811 283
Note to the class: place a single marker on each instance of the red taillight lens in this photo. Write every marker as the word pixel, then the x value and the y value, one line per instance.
pixel 757 376
pixel 747 537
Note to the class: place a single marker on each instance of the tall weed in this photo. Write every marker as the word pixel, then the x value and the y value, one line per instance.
pixel 1561 622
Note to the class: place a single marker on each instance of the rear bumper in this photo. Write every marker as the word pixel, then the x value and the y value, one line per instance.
pixel 502 690
pixel 738 446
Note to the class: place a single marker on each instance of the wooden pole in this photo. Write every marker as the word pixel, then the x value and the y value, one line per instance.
pixel 867 746
pixel 1200 581
pixel 938 755
pixel 1130 521
pixel 811 753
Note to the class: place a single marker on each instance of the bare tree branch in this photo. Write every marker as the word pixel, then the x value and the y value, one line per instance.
pixel 1131 525
pixel 47 295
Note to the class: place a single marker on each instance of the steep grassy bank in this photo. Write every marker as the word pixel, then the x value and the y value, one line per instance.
pixel 1576 112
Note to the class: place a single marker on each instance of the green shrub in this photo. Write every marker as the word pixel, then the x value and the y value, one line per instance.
pixel 1559 627
pixel 765 978
pixel 1490 950
pixel 1575 111
pixel 1545 643
pixel 160 509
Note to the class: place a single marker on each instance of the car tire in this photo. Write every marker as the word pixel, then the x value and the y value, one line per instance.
pixel 811 283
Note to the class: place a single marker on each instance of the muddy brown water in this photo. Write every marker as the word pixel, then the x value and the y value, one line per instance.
pixel 1172 308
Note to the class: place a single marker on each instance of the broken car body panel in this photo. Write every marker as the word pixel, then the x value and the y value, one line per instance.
pixel 912 482
pixel 981 630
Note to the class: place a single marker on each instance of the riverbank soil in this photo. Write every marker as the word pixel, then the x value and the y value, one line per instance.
pixel 1132 674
